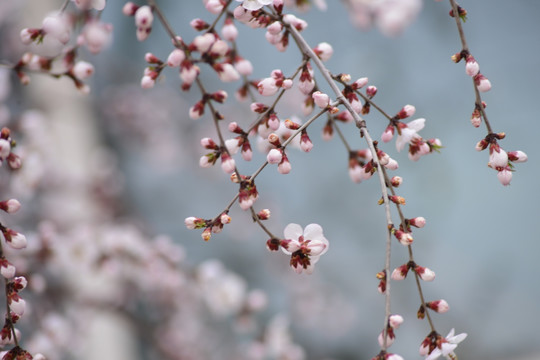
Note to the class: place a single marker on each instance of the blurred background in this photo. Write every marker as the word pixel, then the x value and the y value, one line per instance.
pixel 480 237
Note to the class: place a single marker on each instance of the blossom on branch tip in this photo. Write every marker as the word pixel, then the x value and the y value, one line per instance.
pixel 304 245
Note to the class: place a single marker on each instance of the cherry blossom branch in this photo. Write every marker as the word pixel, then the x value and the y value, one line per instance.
pixel 361 124
pixel 465 52
pixel 499 159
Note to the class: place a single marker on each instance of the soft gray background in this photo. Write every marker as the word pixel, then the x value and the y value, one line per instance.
pixel 481 238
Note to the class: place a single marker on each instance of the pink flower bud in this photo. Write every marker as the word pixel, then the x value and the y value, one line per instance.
pixel 214 6
pixel 17 305
pixel 504 176
pixel 197 110
pixel 20 283
pixel 321 100
pixel 5 149
pixel 360 83
pixel 226 72
pixel 258 107
pixel 10 206
pixel 287 84
pixel 517 156
pixel 396 181
pixel 83 70
pixel 264 214
pixel 306 85
pixel 14 239
pixel 388 134
pixel 29 35
pixel 440 306
pixel 404 238
pixel 220 96
pixel 274 28
pixel 471 67
pixel 142 33
pixel 418 222
pixel 371 91
pixel 206 161
pixel 202 43
pixel 244 67
pixel 206 234
pixel 219 48
pixel 274 156
pixel 175 58
pixel 390 337
pixel 247 153
pixel 225 219
pixel 188 72
pixel 194 223
pixel 395 321
pixel 284 167
pixel 481 145
pixel 400 272
pixel 144 17
pixel 482 83
pixel 147 82
pixel 392 164
pixel 7 269
pixel 424 273
pixel 497 156
pixel 208 143
pixel 267 86
pixel 229 31
pixel 129 9
pixel 232 145
pixel 227 163
pixel 199 24
pixel 305 142
pixel 406 111
pixel 324 51
pixel 57 26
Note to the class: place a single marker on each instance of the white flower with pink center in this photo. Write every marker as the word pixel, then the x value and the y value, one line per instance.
pixel 409 132
pixel 304 245
pixel 448 345
pixel 252 5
